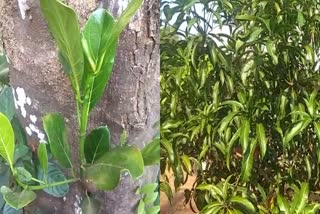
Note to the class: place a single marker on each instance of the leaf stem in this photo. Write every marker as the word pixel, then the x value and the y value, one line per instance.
pixel 44 186
pixel 85 114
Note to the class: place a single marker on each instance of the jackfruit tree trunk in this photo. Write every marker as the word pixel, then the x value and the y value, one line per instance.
pixel 130 103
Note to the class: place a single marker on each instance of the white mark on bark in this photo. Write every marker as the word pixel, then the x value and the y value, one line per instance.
pixel 77 208
pixel 24 7
pixel 21 101
pixel 33 118
pixel 28 130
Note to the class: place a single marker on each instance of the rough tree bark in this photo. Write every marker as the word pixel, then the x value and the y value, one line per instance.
pixel 131 101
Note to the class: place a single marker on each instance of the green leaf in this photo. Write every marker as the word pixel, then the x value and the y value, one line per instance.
pixel 149 188
pixel 17 200
pixel 57 136
pixel 245 203
pixel 293 132
pixel 283 204
pixel 63 24
pixel 150 198
pixel 246 17
pixel 43 157
pixel 23 175
pixel 153 210
pixel 300 199
pixel 111 164
pixel 19 133
pixel 225 121
pixel 151 153
pixel 90 206
pixel 7 209
pixel 247 162
pixel 97 144
pixel 244 135
pixel 7 103
pixel 96 34
pixel 187 163
pixel 141 207
pixel 6 140
pixel 230 147
pixel 261 135
pixel 54 175
pixel 166 189
pixel 20 152
pixel 4 69
pixel 272 51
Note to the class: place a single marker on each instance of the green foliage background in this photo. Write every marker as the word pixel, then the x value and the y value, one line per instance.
pixel 242 103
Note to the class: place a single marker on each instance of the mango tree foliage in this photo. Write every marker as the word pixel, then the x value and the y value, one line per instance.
pixel 239 92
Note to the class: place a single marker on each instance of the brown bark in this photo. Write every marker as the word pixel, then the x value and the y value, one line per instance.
pixel 132 98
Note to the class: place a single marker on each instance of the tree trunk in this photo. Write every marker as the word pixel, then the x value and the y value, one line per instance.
pixel 131 101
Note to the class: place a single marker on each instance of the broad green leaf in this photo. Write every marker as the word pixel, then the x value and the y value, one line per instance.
pixel 43 157
pixel 244 135
pixel 247 162
pixel 6 140
pixel 112 164
pixel 20 152
pixel 97 144
pixel 151 153
pixel 7 209
pixel 7 103
pixel 17 200
pixel 19 133
pixel 150 198
pixel 90 206
pixel 149 188
pixel 300 199
pixel 153 210
pixel 57 136
pixel 4 69
pixel 261 136
pixel 54 174
pixel 212 208
pixel 245 203
pixel 96 34
pixel 63 24
pixel 187 163
pixel 141 207
pixel 23 175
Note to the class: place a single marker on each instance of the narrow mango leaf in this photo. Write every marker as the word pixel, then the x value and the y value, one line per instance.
pixel 151 153
pixel 43 157
pixel 112 163
pixel 244 135
pixel 283 204
pixel 63 24
pixel 300 199
pixel 97 144
pixel 6 140
pixel 247 162
pixel 212 208
pixel 166 189
pixel 57 136
pixel 272 51
pixel 230 147
pixel 243 202
pixel 17 200
pixel 261 135
pixel 308 167
pixel 225 121
pixel 246 17
pixel 187 163
pixel 293 132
